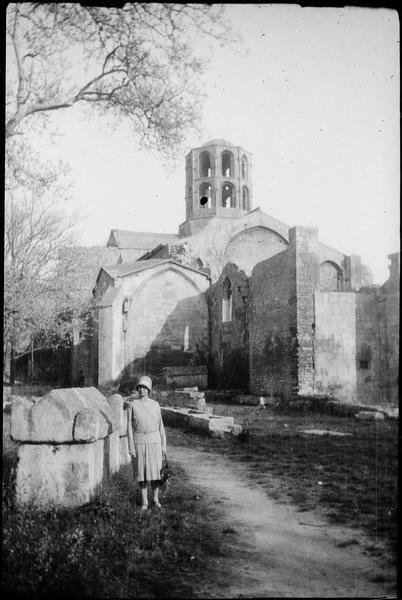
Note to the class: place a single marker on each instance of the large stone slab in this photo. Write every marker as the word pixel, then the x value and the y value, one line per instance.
pixel 181 399
pixel 59 475
pixel 366 415
pixel 189 376
pixel 52 418
pixel 199 421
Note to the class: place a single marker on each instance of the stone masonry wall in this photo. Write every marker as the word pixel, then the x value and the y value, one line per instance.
pixel 167 326
pixel 229 340
pixel 389 333
pixel 335 346
pixel 367 348
pixel 273 326
pixel 304 243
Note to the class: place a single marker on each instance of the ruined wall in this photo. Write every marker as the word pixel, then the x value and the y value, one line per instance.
pixel 273 326
pixel 229 340
pixel 389 333
pixel 305 246
pixel 335 346
pixel 367 361
pixel 250 247
pixel 167 325
pixel 389 348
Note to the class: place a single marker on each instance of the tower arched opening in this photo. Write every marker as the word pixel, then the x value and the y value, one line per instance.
pixel 205 195
pixel 244 167
pixel 205 164
pixel 228 195
pixel 227 164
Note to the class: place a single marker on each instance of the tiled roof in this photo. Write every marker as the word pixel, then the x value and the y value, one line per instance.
pixel 140 240
pixel 218 142
pixel 124 269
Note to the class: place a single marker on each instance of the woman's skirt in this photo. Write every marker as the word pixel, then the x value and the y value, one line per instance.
pixel 148 462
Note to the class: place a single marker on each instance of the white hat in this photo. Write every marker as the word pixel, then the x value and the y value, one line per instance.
pixel 145 381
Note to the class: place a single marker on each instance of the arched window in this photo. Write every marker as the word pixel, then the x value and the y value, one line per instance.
pixel 245 199
pixel 227 301
pixel 244 167
pixel 227 164
pixel 205 164
pixel 186 343
pixel 205 195
pixel 330 277
pixel 228 195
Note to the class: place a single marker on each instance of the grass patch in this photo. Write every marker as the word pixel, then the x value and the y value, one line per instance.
pixel 351 480
pixel 107 548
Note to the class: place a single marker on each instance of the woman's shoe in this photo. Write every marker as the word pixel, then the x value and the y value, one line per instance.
pixel 144 507
pixel 157 505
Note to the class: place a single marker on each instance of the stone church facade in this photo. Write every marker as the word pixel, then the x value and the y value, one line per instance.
pixel 265 307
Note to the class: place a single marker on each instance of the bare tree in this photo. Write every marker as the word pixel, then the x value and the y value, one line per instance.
pixel 35 227
pixel 137 62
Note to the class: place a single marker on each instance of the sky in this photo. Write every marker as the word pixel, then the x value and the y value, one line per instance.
pixel 312 93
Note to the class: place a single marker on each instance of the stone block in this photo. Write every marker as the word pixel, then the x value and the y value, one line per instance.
pixel 391 413
pixel 218 422
pixel 369 415
pixel 181 399
pixel 175 417
pixel 58 475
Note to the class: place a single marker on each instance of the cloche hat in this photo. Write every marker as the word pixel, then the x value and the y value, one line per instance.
pixel 145 381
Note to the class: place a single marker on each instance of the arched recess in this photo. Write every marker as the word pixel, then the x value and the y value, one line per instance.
pixel 163 306
pixel 331 277
pixel 250 246
pixel 227 301
pixel 244 167
pixel 228 195
pixel 205 195
pixel 227 163
pixel 205 166
pixel 245 198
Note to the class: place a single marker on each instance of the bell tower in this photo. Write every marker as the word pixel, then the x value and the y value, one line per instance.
pixel 218 184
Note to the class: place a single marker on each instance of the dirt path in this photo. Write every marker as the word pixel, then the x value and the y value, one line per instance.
pixel 276 550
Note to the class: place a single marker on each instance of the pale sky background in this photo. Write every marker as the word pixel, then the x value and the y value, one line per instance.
pixel 312 93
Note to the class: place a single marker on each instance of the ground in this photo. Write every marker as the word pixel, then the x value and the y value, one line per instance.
pixel 277 513
pixel 275 550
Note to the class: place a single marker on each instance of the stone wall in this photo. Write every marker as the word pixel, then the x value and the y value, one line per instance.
pixel 165 323
pixel 367 357
pixel 335 346
pixel 389 333
pixel 272 326
pixel 229 340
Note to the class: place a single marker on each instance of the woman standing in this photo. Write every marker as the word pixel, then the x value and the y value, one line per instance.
pixel 146 441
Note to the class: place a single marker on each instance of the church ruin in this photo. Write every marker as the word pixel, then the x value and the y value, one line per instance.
pixel 261 306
